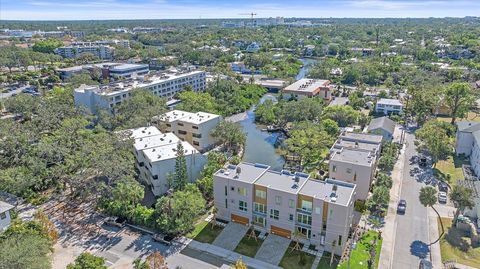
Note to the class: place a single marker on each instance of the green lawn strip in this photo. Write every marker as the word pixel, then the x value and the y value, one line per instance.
pixel 325 261
pixel 204 232
pixel 455 246
pixel 451 166
pixel 292 259
pixel 248 246
pixel 360 255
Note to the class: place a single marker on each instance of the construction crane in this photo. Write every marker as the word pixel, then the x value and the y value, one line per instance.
pixel 250 14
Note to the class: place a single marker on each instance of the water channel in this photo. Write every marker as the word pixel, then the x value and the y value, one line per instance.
pixel 260 145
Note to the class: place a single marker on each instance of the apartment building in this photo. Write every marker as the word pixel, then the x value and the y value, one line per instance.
pixel 195 128
pixel 309 88
pixel 125 43
pixel 156 154
pixel 165 85
pixel 282 203
pixel 5 215
pixel 101 51
pixel 388 106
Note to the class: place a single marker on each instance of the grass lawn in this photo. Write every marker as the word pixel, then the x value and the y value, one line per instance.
pixel 472 116
pixel 291 259
pixel 453 242
pixel 452 166
pixel 204 232
pixel 325 261
pixel 360 255
pixel 249 246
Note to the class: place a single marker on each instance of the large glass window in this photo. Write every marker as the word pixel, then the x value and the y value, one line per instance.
pixel 261 208
pixel 291 203
pixel 307 205
pixel 278 200
pixel 304 219
pixel 259 220
pixel 304 231
pixel 242 191
pixel 274 214
pixel 242 205
pixel 261 194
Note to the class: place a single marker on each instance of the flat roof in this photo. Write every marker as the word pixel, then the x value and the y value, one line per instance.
pixel 307 85
pixel 194 118
pixel 249 172
pixel 70 69
pixel 144 132
pixel 340 143
pixel 354 156
pixel 339 101
pixel 393 102
pixel 282 181
pixel 361 137
pixel 124 67
pixel 167 151
pixel 155 141
pixel 324 190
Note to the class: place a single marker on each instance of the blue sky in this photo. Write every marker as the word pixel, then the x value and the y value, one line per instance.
pixel 192 9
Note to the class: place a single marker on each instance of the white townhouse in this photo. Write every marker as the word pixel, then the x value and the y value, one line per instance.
pixel 389 106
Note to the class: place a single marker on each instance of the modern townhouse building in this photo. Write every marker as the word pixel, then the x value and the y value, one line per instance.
pixel 5 215
pixel 355 166
pixel 156 155
pixel 388 106
pixel 309 88
pixel 165 85
pixel 468 143
pixel 286 204
pixel 195 128
pixel 101 51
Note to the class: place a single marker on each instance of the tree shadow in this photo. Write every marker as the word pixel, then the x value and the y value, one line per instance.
pixel 419 249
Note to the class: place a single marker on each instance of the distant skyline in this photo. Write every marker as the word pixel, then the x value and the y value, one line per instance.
pixel 195 9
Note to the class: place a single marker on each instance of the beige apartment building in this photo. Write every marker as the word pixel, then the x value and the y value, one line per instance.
pixel 194 128
pixel 286 204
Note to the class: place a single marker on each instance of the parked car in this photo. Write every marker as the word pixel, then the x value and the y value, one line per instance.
pixel 425 264
pixel 114 221
pixel 423 161
pixel 442 186
pixel 442 197
pixel 164 239
pixel 402 206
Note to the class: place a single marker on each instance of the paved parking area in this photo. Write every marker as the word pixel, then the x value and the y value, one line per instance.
pixel 272 249
pixel 230 236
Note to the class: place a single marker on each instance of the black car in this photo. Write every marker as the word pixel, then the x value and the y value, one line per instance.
pixel 164 239
pixel 402 206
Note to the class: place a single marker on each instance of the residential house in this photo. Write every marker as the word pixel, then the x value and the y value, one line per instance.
pixel 388 106
pixel 5 215
pixel 382 126
pixel 254 47
pixel 282 203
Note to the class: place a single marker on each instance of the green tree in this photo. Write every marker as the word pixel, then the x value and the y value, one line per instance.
pixel 181 176
pixel 88 261
pixel 343 115
pixel 195 102
pixel 178 211
pixel 459 98
pixel 230 135
pixel 47 45
pixel 379 199
pixel 26 251
pixel 82 78
pixel 435 139
pixel 463 198
pixel 428 198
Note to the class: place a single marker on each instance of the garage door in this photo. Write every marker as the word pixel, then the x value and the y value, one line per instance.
pixel 280 231
pixel 239 219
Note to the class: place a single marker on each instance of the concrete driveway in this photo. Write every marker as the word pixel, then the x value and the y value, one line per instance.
pixel 272 249
pixel 230 236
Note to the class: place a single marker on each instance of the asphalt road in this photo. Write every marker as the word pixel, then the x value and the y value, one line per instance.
pixel 8 94
pixel 412 234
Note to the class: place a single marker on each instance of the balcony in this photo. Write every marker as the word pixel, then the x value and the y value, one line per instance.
pixel 304 210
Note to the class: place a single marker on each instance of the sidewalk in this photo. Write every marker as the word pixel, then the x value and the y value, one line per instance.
pixel 389 230
pixel 230 256
pixel 435 253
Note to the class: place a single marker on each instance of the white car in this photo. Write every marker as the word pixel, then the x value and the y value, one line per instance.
pixel 442 197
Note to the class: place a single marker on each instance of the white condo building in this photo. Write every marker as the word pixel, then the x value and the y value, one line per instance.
pixel 156 154
pixel 164 85
pixel 194 128
pixel 103 52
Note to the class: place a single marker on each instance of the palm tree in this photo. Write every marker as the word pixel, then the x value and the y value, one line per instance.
pixel 428 197
pixel 463 198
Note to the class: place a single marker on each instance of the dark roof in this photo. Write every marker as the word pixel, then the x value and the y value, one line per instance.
pixel 384 123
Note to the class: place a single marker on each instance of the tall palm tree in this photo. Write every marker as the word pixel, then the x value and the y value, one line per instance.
pixel 463 198
pixel 428 198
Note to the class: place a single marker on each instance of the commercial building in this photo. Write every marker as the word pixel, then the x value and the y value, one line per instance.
pixel 101 51
pixel 281 203
pixel 165 85
pixel 194 128
pixel 156 155
pixel 107 70
pixel 5 215
pixel 309 88
pixel 388 106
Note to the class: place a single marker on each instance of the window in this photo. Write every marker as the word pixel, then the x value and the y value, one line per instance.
pixel 232 188
pixel 226 203
pixel 339 240
pixel 259 220
pixel 182 132
pixel 3 215
pixel 291 203
pixel 141 164
pixel 349 170
pixel 261 208
pixel 304 231
pixel 290 217
pixel 304 219
pixel 330 214
pixel 155 177
pixel 261 194
pixel 180 124
pixel 196 143
pixel 355 177
pixel 334 168
pixel 195 127
pixel 274 214
pixel 169 125
pixel 242 205
pixel 197 135
pixel 242 191
pixel 278 200
pixel 226 191
pixel 307 205
pixel 317 210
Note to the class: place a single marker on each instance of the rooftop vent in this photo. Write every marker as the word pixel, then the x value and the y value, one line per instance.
pixel 333 199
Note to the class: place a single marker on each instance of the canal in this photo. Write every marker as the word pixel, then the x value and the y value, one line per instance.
pixel 260 145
